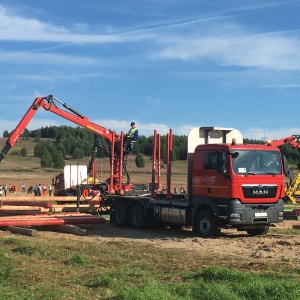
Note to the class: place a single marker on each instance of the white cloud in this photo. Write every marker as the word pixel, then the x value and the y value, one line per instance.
pixel 45 58
pixel 273 134
pixel 237 48
pixel 227 44
pixel 17 28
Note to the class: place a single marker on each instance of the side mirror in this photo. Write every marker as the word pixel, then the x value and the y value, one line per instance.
pixel 235 154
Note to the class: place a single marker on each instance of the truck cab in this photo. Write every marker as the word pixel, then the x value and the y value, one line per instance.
pixel 234 184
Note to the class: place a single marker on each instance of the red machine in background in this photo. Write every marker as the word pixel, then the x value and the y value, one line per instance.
pixel 293 140
pixel 115 183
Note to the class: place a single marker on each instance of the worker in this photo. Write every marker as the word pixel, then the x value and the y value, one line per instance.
pixel 131 136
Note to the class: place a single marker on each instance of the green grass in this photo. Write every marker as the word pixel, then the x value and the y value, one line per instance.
pixel 289 231
pixel 67 268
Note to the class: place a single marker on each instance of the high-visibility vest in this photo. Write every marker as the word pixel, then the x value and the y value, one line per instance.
pixel 131 132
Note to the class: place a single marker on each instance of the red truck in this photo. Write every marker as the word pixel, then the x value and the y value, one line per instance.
pixel 229 184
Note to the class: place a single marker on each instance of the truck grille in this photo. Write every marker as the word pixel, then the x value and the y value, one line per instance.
pixel 259 191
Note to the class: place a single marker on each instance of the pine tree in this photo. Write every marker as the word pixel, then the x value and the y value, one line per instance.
pixel 139 161
pixel 58 160
pixel 46 159
pixel 23 152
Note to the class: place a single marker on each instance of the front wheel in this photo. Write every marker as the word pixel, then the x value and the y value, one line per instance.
pixel 258 231
pixel 206 225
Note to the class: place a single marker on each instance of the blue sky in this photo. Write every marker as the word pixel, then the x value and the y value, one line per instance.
pixel 163 64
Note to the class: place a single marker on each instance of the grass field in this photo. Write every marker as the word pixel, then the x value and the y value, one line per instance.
pixel 62 268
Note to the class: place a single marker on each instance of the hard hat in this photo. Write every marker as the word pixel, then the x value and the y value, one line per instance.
pixel 132 123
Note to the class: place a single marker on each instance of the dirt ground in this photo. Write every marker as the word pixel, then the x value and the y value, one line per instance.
pixel 270 249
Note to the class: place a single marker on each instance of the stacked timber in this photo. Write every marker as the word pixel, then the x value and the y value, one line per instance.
pixel 19 213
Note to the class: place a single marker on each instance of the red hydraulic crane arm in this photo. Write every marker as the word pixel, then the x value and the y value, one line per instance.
pixel 49 105
pixel 293 140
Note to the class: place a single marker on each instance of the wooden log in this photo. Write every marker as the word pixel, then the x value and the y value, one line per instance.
pixel 19 207
pixel 69 229
pixel 40 198
pixel 23 231
pixel 41 215
pixel 69 205
pixel 21 212
pixel 94 202
pixel 88 209
pixel 296 226
pixel 27 203
pixel 55 220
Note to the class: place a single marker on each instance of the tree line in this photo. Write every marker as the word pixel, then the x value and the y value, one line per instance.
pixel 54 144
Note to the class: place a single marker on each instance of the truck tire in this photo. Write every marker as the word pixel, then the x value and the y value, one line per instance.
pixel 258 231
pixel 206 225
pixel 138 218
pixel 121 215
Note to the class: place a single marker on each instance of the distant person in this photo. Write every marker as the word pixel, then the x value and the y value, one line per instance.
pixel 50 189
pixel 35 190
pixel 44 189
pixel 30 189
pixel 39 189
pixel 23 187
pixel 131 136
pixel 5 189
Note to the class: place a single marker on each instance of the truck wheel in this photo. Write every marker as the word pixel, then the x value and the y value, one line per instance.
pixel 258 231
pixel 138 217
pixel 121 215
pixel 206 225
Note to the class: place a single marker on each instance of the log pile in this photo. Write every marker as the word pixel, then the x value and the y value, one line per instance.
pixel 19 214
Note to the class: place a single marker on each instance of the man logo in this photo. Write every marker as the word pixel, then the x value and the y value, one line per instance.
pixel 260 192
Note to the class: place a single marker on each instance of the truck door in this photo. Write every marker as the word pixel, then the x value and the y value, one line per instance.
pixel 215 166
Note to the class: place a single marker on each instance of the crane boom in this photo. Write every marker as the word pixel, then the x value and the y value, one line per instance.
pixel 293 140
pixel 48 103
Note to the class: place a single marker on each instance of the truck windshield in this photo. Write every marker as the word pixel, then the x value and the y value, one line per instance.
pixel 256 162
